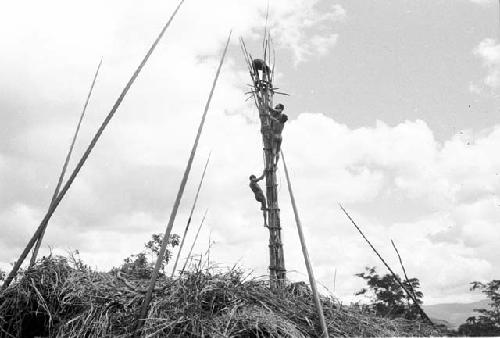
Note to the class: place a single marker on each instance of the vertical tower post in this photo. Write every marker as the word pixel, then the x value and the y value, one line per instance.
pixel 276 256
pixel 262 92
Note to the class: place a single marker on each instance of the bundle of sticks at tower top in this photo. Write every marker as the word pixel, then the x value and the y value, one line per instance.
pixel 272 120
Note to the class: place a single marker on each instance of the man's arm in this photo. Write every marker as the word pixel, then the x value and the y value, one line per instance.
pixel 273 118
pixel 273 111
pixel 261 177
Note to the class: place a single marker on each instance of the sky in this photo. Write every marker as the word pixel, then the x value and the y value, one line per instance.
pixel 393 112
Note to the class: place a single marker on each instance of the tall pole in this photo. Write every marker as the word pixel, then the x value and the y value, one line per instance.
pixel 398 280
pixel 66 162
pixel 190 217
pixel 307 261
pixel 53 206
pixel 276 256
pixel 194 243
pixel 404 270
pixel 180 192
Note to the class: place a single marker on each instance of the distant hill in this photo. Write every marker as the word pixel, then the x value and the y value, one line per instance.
pixel 454 313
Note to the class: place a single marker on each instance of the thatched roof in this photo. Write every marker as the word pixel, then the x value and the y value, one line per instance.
pixel 61 298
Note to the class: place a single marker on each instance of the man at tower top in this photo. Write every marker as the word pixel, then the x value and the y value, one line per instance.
pixel 259 64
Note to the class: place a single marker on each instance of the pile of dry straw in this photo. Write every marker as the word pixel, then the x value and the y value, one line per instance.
pixel 61 297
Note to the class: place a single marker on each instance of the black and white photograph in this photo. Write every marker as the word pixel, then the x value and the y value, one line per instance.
pixel 249 168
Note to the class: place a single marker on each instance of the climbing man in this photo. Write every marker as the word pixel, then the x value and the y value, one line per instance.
pixel 278 119
pixel 259 194
pixel 277 110
pixel 259 64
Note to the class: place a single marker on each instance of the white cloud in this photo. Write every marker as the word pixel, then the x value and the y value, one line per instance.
pixel 475 89
pixel 437 200
pixel 359 167
pixel 305 29
pixel 483 2
pixel 489 52
pixel 322 44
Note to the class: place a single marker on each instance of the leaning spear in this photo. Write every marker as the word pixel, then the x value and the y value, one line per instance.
pixel 398 280
pixel 85 155
pixel 190 215
pixel 173 214
pixel 194 242
pixel 404 270
pixel 65 165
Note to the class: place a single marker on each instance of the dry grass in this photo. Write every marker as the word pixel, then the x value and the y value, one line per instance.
pixel 63 298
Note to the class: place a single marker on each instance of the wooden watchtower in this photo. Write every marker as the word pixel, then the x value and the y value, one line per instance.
pixel 262 92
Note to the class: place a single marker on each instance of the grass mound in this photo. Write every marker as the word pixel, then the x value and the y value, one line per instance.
pixel 61 298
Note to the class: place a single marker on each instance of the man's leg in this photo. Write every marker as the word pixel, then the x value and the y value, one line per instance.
pixel 263 208
pixel 276 148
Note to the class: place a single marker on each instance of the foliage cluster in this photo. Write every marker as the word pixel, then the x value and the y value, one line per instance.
pixel 487 323
pixel 139 264
pixel 387 297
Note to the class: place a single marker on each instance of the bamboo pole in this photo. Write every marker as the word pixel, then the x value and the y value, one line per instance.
pixel 194 242
pixel 65 165
pixel 404 270
pixel 190 215
pixel 398 280
pixel 310 272
pixel 208 249
pixel 85 156
pixel 154 276
pixel 334 279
